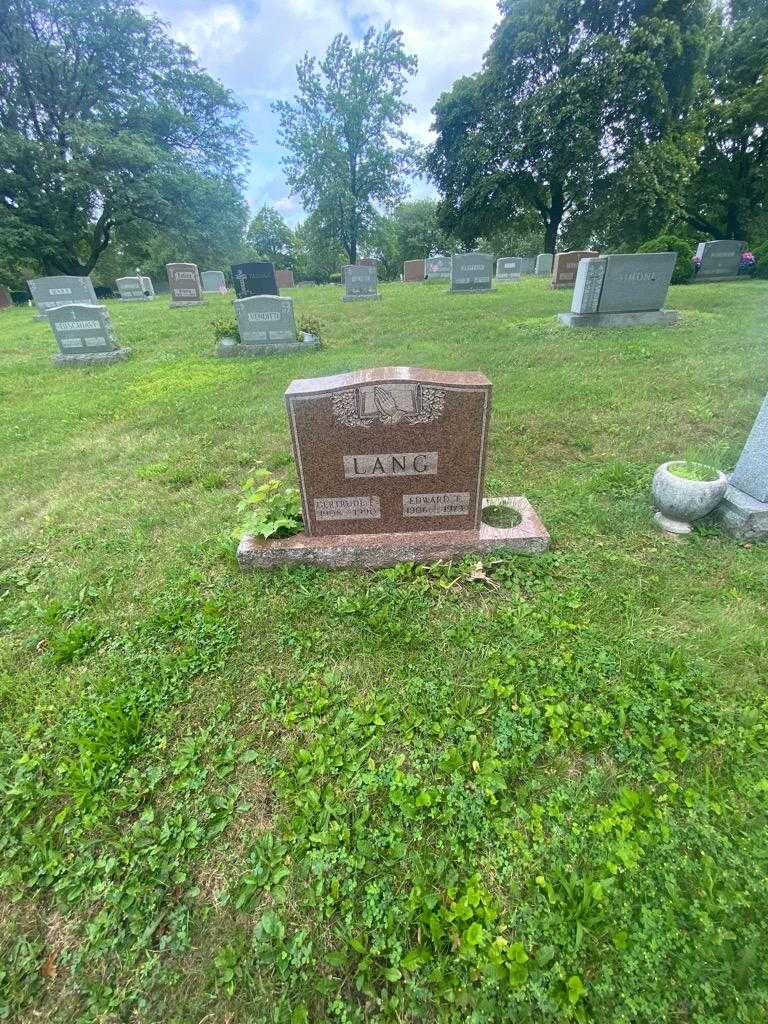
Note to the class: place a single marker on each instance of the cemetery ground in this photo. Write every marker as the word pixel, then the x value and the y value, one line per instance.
pixel 530 790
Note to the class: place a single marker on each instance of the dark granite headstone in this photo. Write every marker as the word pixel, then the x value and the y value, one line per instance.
pixel 720 260
pixel 184 282
pixel 5 297
pixel 471 272
pixel 256 278
pixel 567 264
pixel 414 270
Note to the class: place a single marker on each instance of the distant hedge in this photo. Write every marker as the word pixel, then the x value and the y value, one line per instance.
pixel 761 260
pixel 683 271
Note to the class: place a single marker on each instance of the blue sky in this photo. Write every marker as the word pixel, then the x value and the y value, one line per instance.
pixel 253 46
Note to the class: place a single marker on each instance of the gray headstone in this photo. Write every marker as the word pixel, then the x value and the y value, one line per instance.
pixel 265 320
pixel 213 281
pixel 184 282
pixel 751 472
pixel 471 272
pixel 511 268
pixel 81 329
pixel 623 283
pixel 133 289
pixel 544 264
pixel 439 267
pixel 719 259
pixel 146 284
pixel 360 283
pixel 49 292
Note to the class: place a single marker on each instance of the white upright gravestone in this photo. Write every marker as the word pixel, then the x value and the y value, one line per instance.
pixel 135 289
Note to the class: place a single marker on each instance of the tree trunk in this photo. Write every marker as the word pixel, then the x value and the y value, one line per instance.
pixel 555 216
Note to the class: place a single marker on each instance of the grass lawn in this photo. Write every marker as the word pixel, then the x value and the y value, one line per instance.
pixel 410 795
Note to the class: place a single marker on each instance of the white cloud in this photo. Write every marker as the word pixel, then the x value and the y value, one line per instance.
pixel 253 48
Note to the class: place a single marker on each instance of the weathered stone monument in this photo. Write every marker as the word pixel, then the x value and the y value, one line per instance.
pixel 85 335
pixel 213 281
pixel 744 509
pixel 438 268
pixel 471 272
pixel 285 279
pixel 5 298
pixel 391 468
pixel 719 260
pixel 622 291
pixel 255 278
pixel 544 264
pixel 360 282
pixel 414 270
pixel 184 282
pixel 49 292
pixel 512 268
pixel 134 289
pixel 266 325
pixel 566 264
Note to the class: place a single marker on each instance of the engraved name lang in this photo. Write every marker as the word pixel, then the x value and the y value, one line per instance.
pixel 405 464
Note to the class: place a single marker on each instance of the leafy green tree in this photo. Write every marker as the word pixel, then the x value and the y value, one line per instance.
pixel 569 93
pixel 108 128
pixel 728 194
pixel 317 255
pixel 347 151
pixel 270 238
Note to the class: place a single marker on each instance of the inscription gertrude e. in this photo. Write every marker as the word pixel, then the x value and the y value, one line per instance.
pixel 397 450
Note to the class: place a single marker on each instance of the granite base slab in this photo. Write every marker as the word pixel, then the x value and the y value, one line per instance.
pixel 377 550
pixel 181 305
pixel 742 516
pixel 119 355
pixel 470 291
pixel 666 317
pixel 228 348
pixel 360 298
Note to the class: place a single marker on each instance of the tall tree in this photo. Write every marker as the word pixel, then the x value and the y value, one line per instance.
pixel 106 125
pixel 270 238
pixel 729 194
pixel 347 151
pixel 569 92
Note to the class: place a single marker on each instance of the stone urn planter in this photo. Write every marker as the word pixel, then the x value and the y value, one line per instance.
pixel 684 492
